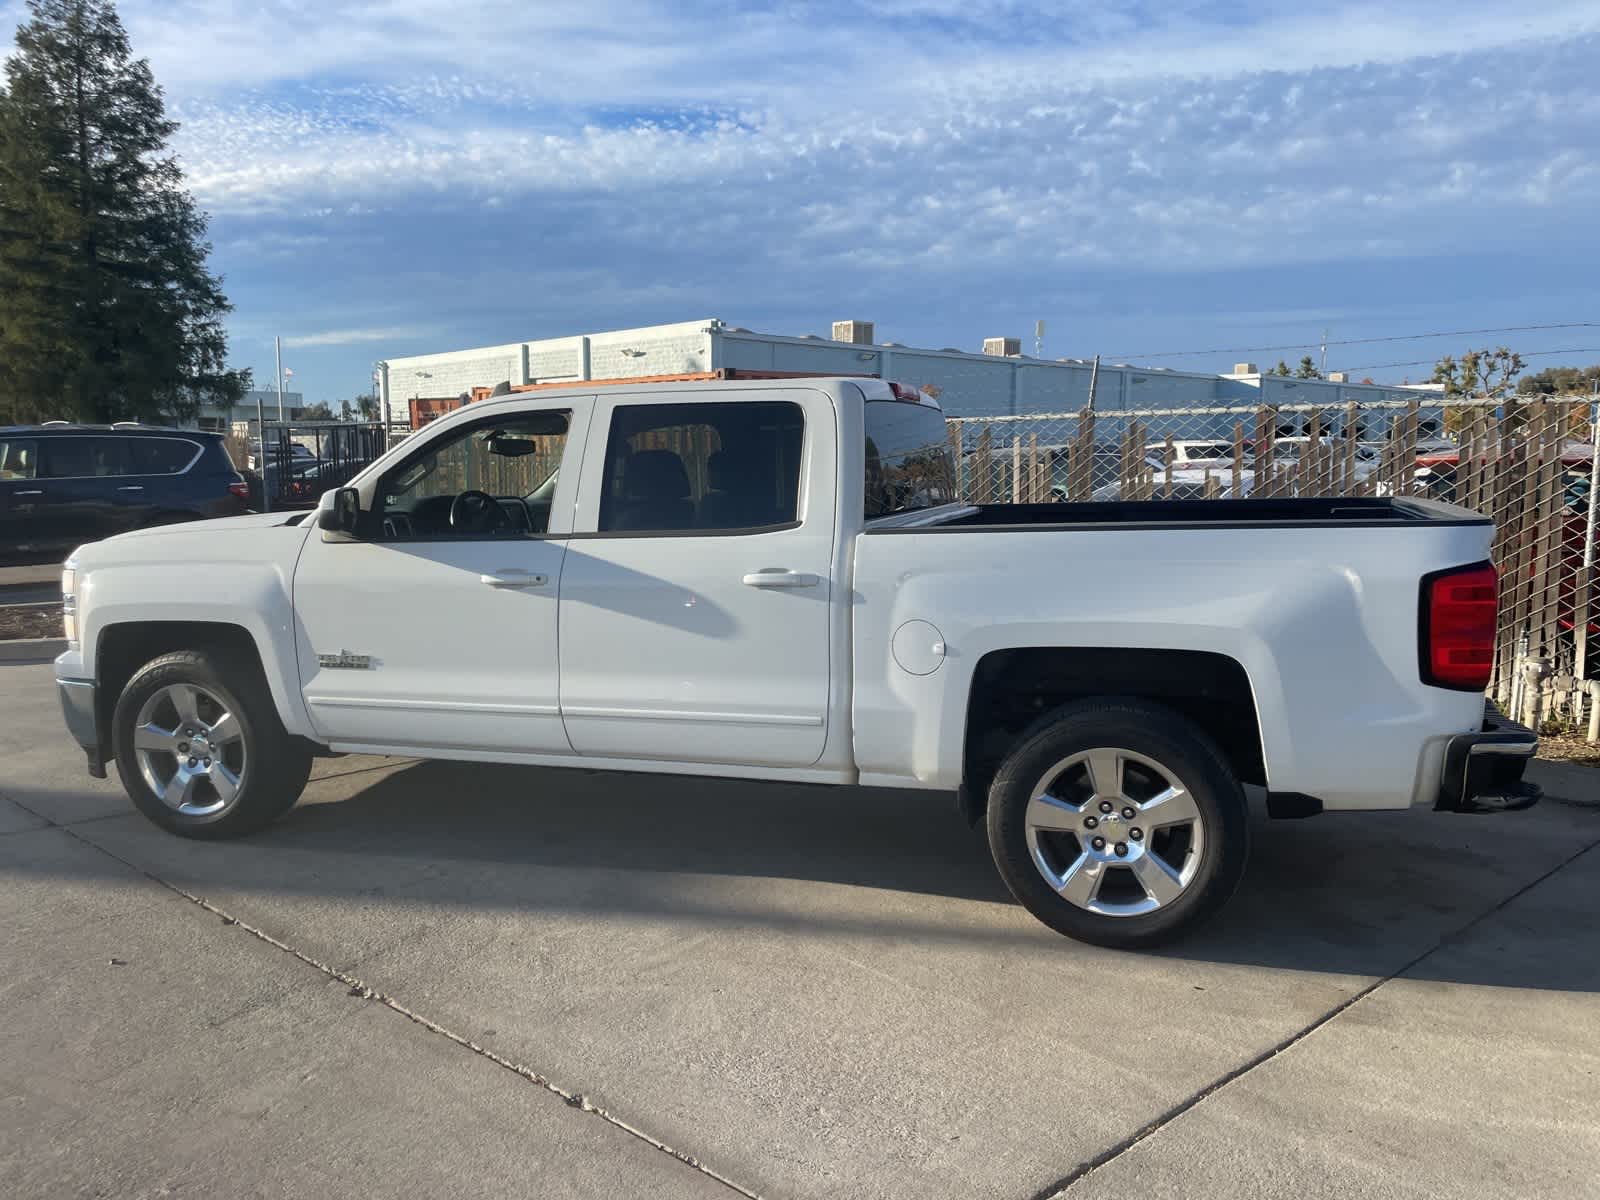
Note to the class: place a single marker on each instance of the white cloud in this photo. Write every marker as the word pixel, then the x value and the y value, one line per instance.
pixel 639 160
pixel 349 337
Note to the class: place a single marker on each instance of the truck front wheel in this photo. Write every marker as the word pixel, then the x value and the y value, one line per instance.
pixel 200 748
pixel 1118 822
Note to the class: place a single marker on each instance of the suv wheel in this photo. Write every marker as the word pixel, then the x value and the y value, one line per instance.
pixel 1118 823
pixel 200 748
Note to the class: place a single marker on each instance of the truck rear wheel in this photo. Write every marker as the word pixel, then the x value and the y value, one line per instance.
pixel 200 748
pixel 1119 823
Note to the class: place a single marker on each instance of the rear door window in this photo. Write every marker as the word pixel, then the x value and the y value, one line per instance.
pixel 19 458
pixel 84 457
pixel 160 456
pixel 684 468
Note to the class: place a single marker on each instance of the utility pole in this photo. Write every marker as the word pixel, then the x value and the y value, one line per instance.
pixel 277 351
pixel 261 454
pixel 1038 338
pixel 1324 367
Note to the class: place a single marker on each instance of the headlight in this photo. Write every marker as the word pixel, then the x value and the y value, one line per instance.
pixel 69 606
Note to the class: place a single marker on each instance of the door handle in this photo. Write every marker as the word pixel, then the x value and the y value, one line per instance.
pixel 30 492
pixel 510 577
pixel 131 487
pixel 779 577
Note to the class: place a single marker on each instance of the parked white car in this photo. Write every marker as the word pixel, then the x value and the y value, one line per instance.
pixel 1196 453
pixel 1288 451
pixel 1198 479
pixel 773 580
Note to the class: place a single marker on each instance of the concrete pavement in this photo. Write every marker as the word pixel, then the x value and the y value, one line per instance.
pixel 804 991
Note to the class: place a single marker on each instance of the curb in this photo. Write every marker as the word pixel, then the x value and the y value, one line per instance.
pixel 31 650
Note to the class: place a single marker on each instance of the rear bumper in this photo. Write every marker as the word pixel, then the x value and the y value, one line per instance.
pixel 1483 770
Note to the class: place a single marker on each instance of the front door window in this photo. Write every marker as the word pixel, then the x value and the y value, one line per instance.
pixel 491 479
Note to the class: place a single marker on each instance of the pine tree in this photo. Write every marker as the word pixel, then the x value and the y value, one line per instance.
pixel 107 310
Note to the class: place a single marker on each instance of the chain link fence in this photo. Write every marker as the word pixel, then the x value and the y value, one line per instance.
pixel 1527 465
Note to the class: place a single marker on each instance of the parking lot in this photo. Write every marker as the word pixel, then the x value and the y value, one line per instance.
pixel 438 978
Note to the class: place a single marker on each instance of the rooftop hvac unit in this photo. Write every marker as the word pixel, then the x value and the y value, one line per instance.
pixel 859 332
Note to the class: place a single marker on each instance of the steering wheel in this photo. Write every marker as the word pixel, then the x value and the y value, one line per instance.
pixel 477 512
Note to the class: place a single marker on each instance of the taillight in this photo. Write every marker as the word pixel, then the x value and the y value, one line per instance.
pixel 241 490
pixel 1459 610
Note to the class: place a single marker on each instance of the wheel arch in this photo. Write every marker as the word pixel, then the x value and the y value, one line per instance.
pixel 1014 690
pixel 122 648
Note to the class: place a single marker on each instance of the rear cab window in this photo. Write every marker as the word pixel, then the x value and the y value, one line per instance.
pixel 909 461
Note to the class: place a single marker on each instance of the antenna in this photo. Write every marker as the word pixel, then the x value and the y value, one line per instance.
pixel 1038 338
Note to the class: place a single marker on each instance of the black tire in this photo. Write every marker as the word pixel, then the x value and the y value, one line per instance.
pixel 277 764
pixel 1157 734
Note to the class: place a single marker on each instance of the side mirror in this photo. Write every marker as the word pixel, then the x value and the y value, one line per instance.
pixel 344 514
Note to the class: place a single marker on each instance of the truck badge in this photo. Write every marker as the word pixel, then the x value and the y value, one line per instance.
pixel 345 661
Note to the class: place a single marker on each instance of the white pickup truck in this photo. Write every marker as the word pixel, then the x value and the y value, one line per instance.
pixel 773 580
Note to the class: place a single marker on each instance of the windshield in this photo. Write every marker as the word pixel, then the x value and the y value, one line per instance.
pixel 909 463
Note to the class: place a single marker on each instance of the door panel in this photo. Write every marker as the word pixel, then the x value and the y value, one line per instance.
pixel 21 494
pixel 453 661
pixel 86 485
pixel 701 642
pixel 442 635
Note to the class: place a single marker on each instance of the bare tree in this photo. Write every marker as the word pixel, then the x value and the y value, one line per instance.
pixel 1479 372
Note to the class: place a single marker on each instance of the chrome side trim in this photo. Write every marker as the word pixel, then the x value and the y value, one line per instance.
pixel 711 718
pixel 446 706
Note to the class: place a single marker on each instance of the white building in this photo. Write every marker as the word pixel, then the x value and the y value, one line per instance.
pixel 220 420
pixel 998 380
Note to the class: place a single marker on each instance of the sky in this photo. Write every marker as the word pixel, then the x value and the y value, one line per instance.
pixel 1162 183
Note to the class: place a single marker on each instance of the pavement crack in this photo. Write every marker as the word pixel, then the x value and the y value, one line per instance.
pixel 357 988
pixel 1061 1187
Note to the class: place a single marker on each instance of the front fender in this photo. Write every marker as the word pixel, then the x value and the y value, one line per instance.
pixel 250 593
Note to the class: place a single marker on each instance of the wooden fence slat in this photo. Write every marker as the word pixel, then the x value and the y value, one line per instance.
pixel 984 492
pixel 1080 458
pixel 1352 437
pixel 1266 432
pixel 1237 482
pixel 952 431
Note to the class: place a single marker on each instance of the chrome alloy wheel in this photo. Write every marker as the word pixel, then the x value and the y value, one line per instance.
pixel 1114 832
pixel 190 749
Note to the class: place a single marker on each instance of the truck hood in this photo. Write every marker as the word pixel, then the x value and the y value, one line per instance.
pixel 210 533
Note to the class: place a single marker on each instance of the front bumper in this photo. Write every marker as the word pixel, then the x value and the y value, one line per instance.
pixel 1483 770
pixel 81 713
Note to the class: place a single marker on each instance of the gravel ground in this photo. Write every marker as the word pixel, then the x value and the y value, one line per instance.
pixel 30 621
pixel 1570 748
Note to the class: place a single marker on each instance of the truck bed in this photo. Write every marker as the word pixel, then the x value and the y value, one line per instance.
pixel 1173 514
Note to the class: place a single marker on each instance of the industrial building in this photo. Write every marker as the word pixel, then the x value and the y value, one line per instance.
pixel 999 380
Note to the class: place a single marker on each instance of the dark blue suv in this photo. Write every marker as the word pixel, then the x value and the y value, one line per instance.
pixel 62 485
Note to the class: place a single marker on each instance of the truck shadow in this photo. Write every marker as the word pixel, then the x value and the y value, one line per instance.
pixel 1349 894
